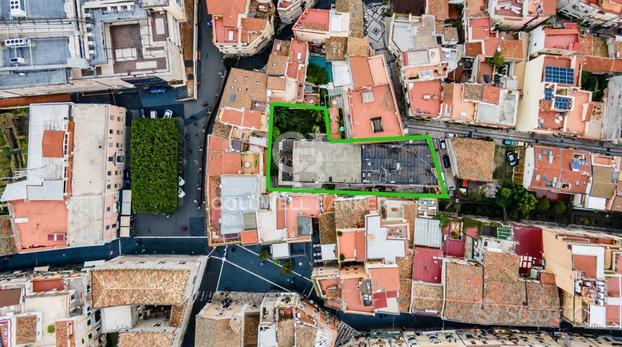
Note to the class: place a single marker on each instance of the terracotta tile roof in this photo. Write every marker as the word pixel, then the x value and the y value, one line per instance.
pixel 471 49
pixel 502 267
pixel 510 49
pixel 53 141
pixel 252 28
pixel 244 88
pixel 61 333
pixel 10 297
pixel 356 9
pixel 553 164
pixel 177 312
pixel 385 278
pixel 25 329
pixel 229 10
pixel 142 339
pixel 465 282
pixel 602 183
pixel 361 72
pixel 116 287
pixel 475 159
pixel 426 297
pixel 438 8
pixel 313 19
pixel 277 64
pixel 358 47
pixel 224 163
pixel 490 94
pixel 600 65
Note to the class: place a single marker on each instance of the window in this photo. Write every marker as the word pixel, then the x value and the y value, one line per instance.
pixel 377 124
pixel 88 322
pixel 108 186
pixel 107 227
pixel 108 209
pixel 109 173
pixel 110 131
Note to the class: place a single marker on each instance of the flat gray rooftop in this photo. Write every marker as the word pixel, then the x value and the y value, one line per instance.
pixel 32 78
pixel 324 162
pixel 43 51
pixel 36 9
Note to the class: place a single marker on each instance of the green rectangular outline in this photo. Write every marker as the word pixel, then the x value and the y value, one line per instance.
pixel 427 138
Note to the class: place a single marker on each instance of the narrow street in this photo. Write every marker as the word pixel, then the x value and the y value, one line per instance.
pixel 439 129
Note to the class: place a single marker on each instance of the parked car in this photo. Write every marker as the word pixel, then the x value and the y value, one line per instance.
pixel 168 114
pixel 157 90
pixel 450 135
pixel 153 114
pixel 180 181
pixel 446 161
pixel 443 144
pixel 509 143
pixel 181 193
pixel 511 158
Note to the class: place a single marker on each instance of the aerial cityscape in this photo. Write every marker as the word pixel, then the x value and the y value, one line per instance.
pixel 293 173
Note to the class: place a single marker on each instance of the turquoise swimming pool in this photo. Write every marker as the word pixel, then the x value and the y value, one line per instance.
pixel 321 61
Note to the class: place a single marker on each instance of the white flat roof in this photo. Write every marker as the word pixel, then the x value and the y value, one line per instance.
pixel 378 246
pixel 89 151
pixel 280 250
pixel 85 220
pixel 329 252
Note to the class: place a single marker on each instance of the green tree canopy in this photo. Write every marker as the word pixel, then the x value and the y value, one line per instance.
pixel 154 153
pixel 543 205
pixel 316 75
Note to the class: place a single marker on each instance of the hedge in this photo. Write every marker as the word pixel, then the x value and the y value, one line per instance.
pixel 154 153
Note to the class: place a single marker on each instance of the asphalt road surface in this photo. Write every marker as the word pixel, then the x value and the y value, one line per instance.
pixel 440 129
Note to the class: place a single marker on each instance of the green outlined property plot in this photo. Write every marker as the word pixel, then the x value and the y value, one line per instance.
pixel 304 157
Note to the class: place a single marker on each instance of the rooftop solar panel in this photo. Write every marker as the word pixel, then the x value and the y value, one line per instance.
pixel 548 94
pixel 561 75
pixel 563 103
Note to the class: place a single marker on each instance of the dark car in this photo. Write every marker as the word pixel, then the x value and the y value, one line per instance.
pixel 157 90
pixel 511 158
pixel 446 161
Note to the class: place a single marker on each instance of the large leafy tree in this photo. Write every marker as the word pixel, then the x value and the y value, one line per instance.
pixel 316 75
pixel 516 201
pixel 154 153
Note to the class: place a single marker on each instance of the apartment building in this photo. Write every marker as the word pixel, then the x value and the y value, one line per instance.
pixel 586 266
pixel 487 278
pixel 557 170
pixel 416 44
pixel 370 107
pixel 241 27
pixel 317 25
pixel 290 10
pixel 274 319
pixel 68 195
pixel 520 15
pixel 554 103
pixel 564 40
pixel 147 299
pixel 287 71
pixel 596 14
pixel 370 250
pixel 48 308
pixel 67 46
